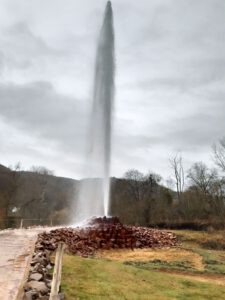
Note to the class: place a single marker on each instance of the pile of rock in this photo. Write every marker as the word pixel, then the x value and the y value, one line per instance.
pixel 100 233
pixel 104 220
pixel 38 285
pixel 106 233
pixel 152 238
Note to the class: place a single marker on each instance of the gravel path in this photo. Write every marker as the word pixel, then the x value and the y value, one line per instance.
pixel 16 248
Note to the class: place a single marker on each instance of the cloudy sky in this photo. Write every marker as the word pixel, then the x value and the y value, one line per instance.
pixel 170 91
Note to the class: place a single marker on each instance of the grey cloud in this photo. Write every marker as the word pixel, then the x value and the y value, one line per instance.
pixel 22 49
pixel 24 36
pixel 21 35
pixel 192 133
pixel 196 74
pixel 39 110
pixel 170 76
pixel 1 62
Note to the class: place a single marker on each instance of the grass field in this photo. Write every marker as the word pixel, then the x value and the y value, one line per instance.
pixel 192 271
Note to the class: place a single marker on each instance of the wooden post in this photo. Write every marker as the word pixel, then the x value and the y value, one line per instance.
pixel 21 224
pixel 57 272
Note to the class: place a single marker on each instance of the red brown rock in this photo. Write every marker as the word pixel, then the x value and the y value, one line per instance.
pixel 105 233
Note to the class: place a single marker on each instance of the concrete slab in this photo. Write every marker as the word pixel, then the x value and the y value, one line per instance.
pixel 16 248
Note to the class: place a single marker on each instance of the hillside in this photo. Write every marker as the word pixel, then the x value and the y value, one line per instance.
pixel 35 195
pixel 32 195
pixel 137 200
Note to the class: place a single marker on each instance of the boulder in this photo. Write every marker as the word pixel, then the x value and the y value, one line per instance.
pixel 37 286
pixel 36 276
pixel 30 295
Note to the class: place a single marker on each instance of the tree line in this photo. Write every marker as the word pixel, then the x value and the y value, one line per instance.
pixel 197 201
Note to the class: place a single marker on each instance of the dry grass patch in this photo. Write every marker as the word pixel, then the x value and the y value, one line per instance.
pixel 146 255
pixel 208 240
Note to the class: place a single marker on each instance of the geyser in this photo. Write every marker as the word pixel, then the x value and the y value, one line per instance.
pixel 93 197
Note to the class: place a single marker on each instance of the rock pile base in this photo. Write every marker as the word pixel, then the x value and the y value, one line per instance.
pixel 105 233
pixel 39 281
pixel 100 233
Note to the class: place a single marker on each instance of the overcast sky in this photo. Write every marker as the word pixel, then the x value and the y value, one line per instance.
pixel 170 89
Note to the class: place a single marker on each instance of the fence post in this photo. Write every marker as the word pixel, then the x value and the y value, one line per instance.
pixel 57 272
pixel 21 223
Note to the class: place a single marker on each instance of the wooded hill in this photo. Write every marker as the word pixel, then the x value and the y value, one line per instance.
pixel 137 199
pixel 40 195
pixel 33 195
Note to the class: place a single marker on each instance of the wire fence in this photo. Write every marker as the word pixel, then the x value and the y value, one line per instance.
pixel 24 223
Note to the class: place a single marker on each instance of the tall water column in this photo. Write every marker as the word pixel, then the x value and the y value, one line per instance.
pixel 94 192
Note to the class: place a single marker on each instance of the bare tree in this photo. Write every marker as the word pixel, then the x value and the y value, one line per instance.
pixel 41 170
pixel 143 190
pixel 177 166
pixel 40 177
pixel 202 177
pixel 15 183
pixel 210 188
pixel 141 185
pixel 45 173
pixel 134 178
pixel 219 154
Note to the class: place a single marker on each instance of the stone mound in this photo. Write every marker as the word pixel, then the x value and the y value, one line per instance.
pixel 100 233
pixel 105 233
pixel 95 221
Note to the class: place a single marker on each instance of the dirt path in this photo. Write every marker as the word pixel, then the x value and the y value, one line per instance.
pixel 16 248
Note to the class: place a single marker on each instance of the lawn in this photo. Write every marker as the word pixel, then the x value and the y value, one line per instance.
pixel 189 272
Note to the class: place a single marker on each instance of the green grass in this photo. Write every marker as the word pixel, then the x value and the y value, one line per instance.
pixel 93 279
pixel 162 265
pixel 109 279
pixel 214 261
pixel 209 245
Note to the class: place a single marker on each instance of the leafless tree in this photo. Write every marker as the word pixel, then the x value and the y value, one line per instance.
pixel 202 177
pixel 177 166
pixel 41 170
pixel 143 190
pixel 219 154
pixel 15 175
pixel 40 179
pixel 141 185
pixel 134 178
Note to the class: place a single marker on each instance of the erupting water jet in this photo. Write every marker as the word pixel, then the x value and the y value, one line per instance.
pixel 93 198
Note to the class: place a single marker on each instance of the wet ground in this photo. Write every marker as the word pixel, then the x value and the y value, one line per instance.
pixel 16 248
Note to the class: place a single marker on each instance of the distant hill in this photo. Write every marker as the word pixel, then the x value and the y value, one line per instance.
pixel 39 195
pixel 4 169
pixel 33 195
